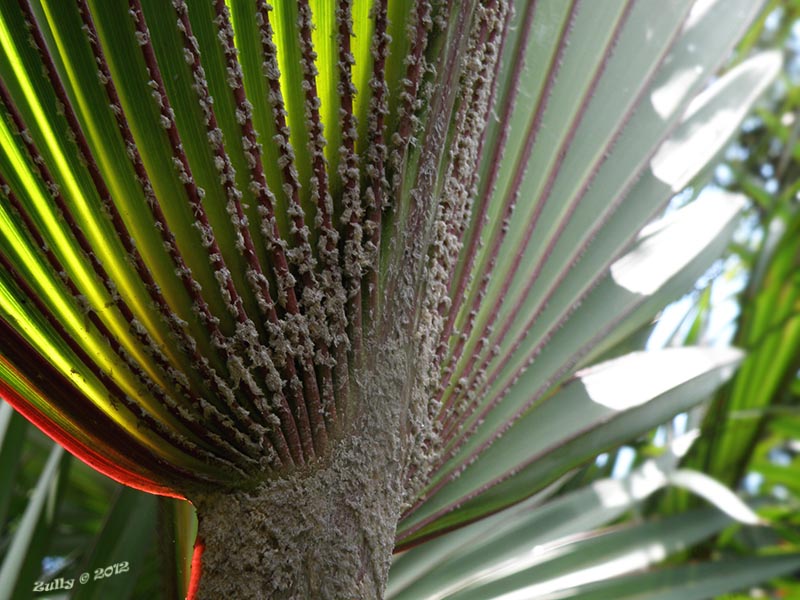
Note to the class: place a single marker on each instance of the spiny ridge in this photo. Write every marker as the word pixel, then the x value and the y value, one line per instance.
pixel 270 314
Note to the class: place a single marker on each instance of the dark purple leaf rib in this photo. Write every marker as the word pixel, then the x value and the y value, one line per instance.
pixel 176 379
pixel 478 378
pixel 306 394
pixel 128 453
pixel 352 210
pixel 38 163
pixel 376 155
pixel 415 62
pixel 599 223
pixel 333 289
pixel 289 428
pixel 509 204
pixel 464 277
pixel 257 440
pixel 293 389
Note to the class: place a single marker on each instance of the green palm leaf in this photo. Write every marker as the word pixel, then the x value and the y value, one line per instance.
pixel 305 264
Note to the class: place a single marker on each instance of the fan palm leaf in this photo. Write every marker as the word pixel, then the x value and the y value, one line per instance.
pixel 305 264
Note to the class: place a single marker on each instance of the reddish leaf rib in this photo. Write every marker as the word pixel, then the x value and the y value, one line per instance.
pixel 289 428
pixel 194 401
pixel 124 460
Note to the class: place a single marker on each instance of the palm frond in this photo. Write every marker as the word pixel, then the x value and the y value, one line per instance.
pixel 246 249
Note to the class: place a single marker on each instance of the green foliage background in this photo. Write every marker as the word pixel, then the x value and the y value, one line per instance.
pixel 61 519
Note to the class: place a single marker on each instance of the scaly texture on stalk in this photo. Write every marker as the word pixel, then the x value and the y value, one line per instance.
pixel 252 333
pixel 250 255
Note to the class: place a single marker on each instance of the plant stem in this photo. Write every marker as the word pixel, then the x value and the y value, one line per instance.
pixel 323 532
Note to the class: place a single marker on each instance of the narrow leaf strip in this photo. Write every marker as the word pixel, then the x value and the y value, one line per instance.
pixel 220 390
pixel 288 425
pixel 595 409
pixel 18 550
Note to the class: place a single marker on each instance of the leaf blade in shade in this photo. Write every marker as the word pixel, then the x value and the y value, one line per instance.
pixel 119 542
pixel 441 563
pixel 18 552
pixel 598 558
pixel 585 417
pixel 12 434
pixel 569 290
pixel 690 582
pixel 609 312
